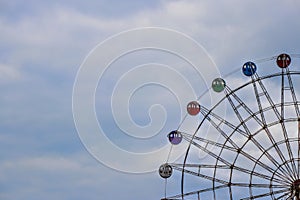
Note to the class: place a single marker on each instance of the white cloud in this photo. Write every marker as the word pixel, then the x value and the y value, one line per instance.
pixel 9 73
pixel 58 38
pixel 219 26
pixel 74 177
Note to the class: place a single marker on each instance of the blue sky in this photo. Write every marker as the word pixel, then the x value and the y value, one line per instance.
pixel 43 44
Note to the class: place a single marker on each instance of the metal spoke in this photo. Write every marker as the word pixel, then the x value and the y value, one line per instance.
pixel 255 153
pixel 294 97
pixel 230 93
pixel 256 78
pixel 265 194
pixel 210 178
pixel 228 165
pixel 283 88
pixel 284 195
pixel 198 192
pixel 293 93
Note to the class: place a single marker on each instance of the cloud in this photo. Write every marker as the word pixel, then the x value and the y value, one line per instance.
pixel 9 73
pixel 62 30
pixel 77 176
pixel 36 177
pixel 42 46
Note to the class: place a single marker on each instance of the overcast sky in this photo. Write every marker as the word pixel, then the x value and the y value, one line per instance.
pixel 43 45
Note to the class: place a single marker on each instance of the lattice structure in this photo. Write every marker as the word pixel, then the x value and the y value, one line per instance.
pixel 252 152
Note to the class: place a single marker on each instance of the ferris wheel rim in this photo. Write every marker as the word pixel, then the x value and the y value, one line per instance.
pixel 284 192
pixel 223 99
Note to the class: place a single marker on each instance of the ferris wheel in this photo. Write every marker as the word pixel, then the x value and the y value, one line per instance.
pixel 252 151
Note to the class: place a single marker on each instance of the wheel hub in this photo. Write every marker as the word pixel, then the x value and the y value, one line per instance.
pixel 296 189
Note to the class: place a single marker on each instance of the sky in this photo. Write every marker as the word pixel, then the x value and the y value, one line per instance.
pixel 46 44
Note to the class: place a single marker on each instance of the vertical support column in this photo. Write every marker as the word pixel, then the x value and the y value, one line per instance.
pixel 298 147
